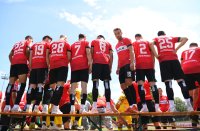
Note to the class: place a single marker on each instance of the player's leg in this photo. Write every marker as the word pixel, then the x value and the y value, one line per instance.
pixel 41 76
pixel 167 76
pixel 96 72
pixel 31 90
pixel 129 78
pixel 105 77
pixel 140 78
pixel 65 109
pixel 83 96
pixel 61 79
pixel 30 96
pixel 22 75
pixel 150 74
pixel 155 119
pixel 74 85
pixel 12 79
pixel 179 77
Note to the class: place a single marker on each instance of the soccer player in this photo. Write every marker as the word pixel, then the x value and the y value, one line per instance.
pixel 102 56
pixel 19 69
pixel 58 60
pixel 164 107
pixel 145 62
pixel 38 74
pixel 81 66
pixel 190 62
pixel 125 68
pixel 170 67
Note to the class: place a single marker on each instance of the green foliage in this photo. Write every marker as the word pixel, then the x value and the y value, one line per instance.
pixel 89 97
pixel 180 104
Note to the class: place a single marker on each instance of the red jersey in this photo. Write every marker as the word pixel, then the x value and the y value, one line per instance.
pixel 101 102
pixel 79 59
pixel 190 61
pixel 58 54
pixel 101 51
pixel 143 53
pixel 19 53
pixel 166 47
pixel 39 55
pixel 65 96
pixel 164 103
pixel 123 52
pixel 147 89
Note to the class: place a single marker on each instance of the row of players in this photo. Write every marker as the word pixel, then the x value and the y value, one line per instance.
pixel 97 58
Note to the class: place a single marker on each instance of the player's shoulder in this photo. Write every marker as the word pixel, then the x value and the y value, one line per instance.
pixel 125 39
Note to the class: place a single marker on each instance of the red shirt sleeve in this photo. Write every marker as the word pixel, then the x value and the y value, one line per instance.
pixel 92 43
pixel 68 47
pixel 175 39
pixel 127 42
pixel 110 46
pixel 87 44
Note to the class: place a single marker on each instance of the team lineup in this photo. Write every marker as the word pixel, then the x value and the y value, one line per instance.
pixel 46 64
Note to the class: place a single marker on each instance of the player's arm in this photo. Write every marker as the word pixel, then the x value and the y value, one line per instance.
pixel 47 56
pixel 10 55
pixel 27 51
pixel 153 50
pixel 30 59
pixel 130 48
pixel 112 106
pixel 69 55
pixel 182 41
pixel 111 59
pixel 89 57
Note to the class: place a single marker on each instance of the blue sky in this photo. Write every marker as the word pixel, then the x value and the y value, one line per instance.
pixel 92 17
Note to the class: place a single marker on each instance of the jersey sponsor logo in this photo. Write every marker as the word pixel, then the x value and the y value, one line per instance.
pixel 121 48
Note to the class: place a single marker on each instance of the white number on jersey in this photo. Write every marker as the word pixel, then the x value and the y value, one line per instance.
pixel 77 47
pixel 102 46
pixel 39 49
pixel 189 54
pixel 57 48
pixel 18 47
pixel 166 40
pixel 143 48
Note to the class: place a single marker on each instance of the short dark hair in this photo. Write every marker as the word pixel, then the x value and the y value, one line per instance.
pixel 194 44
pixel 80 36
pixel 28 37
pixel 138 35
pixel 116 29
pixel 47 36
pixel 101 36
pixel 63 36
pixel 161 33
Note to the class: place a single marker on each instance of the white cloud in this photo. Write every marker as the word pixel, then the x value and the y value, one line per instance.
pixel 137 20
pixel 92 3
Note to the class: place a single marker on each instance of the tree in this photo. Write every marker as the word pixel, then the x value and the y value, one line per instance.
pixel 89 97
pixel 180 105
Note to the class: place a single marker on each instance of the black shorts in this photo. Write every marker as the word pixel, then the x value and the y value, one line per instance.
pixel 80 75
pixel 149 73
pixel 190 80
pixel 167 119
pixel 58 74
pixel 101 71
pixel 18 69
pixel 125 72
pixel 171 70
pixel 65 109
pixel 151 108
pixel 38 75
